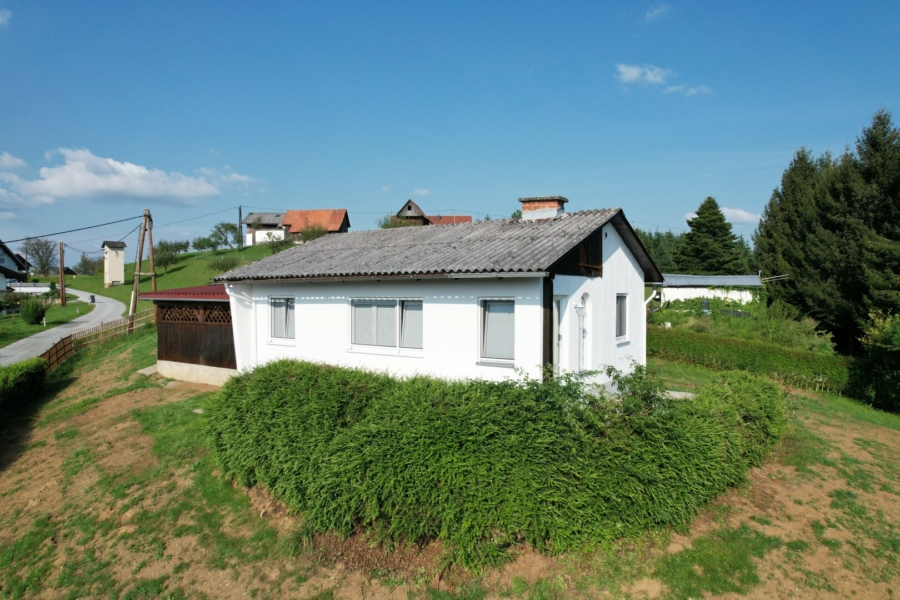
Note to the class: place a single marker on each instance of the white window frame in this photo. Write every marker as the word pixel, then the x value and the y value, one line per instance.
pixel 283 341
pixel 623 318
pixel 397 349
pixel 482 359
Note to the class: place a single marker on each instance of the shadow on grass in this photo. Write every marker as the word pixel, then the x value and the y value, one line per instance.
pixel 17 421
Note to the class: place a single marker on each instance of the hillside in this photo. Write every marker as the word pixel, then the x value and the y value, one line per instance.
pixel 193 269
pixel 108 490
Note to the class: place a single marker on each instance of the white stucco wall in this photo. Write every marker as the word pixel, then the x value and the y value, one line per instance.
pixel 113 267
pixel 452 321
pixel 669 294
pixel 263 236
pixel 621 275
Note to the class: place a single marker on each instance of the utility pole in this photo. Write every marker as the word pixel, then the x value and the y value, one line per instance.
pixel 240 226
pixel 62 275
pixel 146 230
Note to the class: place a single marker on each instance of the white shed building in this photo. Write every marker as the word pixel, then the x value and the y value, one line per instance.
pixel 737 288
pixel 469 300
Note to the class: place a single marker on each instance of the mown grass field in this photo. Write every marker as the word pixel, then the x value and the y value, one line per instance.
pixel 192 269
pixel 13 328
pixel 107 490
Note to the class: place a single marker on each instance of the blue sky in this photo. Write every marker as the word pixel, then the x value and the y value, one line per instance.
pixel 191 109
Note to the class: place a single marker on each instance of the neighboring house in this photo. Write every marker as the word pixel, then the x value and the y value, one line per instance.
pixel 730 287
pixel 194 334
pixel 28 267
pixel 66 270
pixel 413 213
pixel 113 263
pixel 262 227
pixel 10 265
pixel 332 220
pixel 476 299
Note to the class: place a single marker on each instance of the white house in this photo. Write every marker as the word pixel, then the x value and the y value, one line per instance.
pixel 728 287
pixel 465 300
pixel 10 265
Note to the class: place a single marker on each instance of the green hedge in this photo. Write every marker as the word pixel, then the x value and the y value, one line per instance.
pixel 483 465
pixel 791 367
pixel 20 381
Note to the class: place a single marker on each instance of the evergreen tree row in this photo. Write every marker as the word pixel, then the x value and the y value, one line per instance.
pixel 833 227
pixel 708 248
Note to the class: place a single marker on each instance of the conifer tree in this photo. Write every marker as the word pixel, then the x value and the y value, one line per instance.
pixel 710 247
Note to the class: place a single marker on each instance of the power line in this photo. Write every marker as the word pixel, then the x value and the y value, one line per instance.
pixel 73 230
pixel 200 217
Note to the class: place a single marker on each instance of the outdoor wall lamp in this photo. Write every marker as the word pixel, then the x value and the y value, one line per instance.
pixel 579 310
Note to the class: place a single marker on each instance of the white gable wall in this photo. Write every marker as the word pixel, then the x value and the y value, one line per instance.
pixel 621 275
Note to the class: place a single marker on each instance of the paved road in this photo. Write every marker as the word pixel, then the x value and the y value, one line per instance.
pixel 106 310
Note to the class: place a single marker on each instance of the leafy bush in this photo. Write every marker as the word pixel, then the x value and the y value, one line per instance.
pixel 33 311
pixel 20 381
pixel 483 465
pixel 778 323
pixel 792 367
pixel 223 263
pixel 877 373
pixel 13 300
pixel 276 245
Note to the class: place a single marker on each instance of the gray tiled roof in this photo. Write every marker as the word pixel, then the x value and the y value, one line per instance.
pixel 711 280
pixel 507 245
pixel 270 219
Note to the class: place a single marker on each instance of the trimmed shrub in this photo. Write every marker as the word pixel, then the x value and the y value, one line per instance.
pixel 791 367
pixel 33 311
pixel 20 381
pixel 483 465
pixel 223 263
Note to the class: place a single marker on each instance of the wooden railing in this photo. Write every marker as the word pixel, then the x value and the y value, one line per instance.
pixel 105 332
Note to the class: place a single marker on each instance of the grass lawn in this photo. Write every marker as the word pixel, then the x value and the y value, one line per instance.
pixel 193 269
pixel 107 490
pixel 13 328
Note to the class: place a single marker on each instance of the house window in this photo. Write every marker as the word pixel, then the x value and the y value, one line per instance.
pixel 389 323
pixel 282 318
pixel 498 329
pixel 621 315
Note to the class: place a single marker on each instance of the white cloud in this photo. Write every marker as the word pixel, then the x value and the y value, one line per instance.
pixel 8 161
pixel 7 215
pixel 421 192
pixel 690 216
pixel 5 16
pixel 656 13
pixel 739 215
pixel 647 74
pixel 85 175
pixel 385 189
pixel 687 90
pixel 651 75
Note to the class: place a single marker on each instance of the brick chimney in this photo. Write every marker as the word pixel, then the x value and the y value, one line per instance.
pixel 542 207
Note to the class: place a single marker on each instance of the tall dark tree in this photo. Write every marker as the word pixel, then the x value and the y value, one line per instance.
pixel 710 247
pixel 662 246
pixel 834 228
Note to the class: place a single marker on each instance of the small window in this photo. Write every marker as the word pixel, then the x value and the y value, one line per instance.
pixel 282 318
pixel 621 315
pixel 411 324
pixel 375 323
pixel 498 330
pixel 2 260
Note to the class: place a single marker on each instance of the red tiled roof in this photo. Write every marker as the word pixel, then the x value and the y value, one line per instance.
pixel 329 218
pixel 199 293
pixel 447 219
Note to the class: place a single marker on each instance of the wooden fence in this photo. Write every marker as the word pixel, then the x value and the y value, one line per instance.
pixel 105 332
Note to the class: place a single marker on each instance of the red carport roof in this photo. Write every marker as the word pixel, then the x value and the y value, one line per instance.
pixel 198 293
